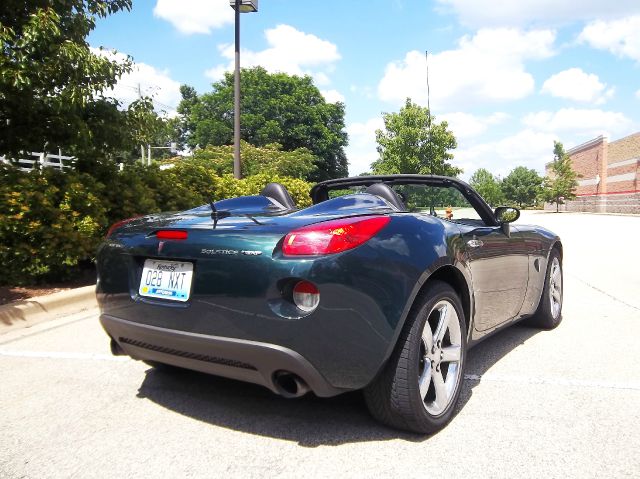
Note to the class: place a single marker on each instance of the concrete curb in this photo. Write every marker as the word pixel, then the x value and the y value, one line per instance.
pixel 26 313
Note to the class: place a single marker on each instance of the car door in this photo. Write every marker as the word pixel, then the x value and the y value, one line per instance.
pixel 496 256
pixel 499 268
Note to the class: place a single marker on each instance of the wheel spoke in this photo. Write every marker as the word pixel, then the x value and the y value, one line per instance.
pixel 555 276
pixel 425 380
pixel 556 296
pixel 443 323
pixel 441 391
pixel 451 354
pixel 427 337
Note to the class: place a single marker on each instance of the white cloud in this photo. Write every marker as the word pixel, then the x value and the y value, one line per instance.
pixel 321 78
pixel 361 151
pixel 488 66
pixel 216 73
pixel 483 13
pixel 195 16
pixel 575 84
pixel 532 146
pixel 527 147
pixel 332 96
pixel 290 51
pixel 580 121
pixel 149 80
pixel 466 125
pixel 620 37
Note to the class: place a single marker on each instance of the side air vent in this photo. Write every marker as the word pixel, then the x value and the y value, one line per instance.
pixel 184 354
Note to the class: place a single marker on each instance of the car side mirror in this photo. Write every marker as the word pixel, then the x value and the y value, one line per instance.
pixel 506 214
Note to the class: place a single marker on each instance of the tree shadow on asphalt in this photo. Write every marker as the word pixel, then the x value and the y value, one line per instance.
pixel 310 421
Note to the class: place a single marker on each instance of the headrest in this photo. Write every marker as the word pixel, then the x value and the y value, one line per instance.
pixel 279 193
pixel 386 193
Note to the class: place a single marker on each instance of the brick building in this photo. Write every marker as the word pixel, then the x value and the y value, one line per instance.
pixel 610 175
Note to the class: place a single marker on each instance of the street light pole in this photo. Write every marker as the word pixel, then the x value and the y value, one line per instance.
pixel 237 172
pixel 240 6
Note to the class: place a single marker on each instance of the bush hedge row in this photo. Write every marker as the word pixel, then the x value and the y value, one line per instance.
pixel 52 221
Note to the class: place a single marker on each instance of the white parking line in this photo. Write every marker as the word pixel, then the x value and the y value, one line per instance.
pixel 61 355
pixel 634 386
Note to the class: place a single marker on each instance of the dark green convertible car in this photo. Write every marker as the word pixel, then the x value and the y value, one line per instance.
pixel 383 284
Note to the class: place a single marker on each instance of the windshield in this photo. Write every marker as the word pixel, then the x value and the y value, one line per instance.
pixel 443 201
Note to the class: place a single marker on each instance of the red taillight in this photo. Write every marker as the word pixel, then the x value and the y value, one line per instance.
pixel 333 236
pixel 117 225
pixel 306 296
pixel 171 234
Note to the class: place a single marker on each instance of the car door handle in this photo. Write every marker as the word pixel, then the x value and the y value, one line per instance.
pixel 474 243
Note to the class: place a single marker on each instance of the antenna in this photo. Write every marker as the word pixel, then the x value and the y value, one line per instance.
pixel 426 55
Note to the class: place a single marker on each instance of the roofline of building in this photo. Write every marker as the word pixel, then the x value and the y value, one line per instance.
pixel 625 137
pixel 587 144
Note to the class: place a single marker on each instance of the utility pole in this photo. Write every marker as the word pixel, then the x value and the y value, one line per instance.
pixel 426 55
pixel 141 146
pixel 239 6
pixel 237 173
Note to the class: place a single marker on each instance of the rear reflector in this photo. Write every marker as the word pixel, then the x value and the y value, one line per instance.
pixel 333 236
pixel 306 296
pixel 171 234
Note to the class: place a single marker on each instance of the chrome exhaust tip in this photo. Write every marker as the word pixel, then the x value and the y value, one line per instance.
pixel 290 385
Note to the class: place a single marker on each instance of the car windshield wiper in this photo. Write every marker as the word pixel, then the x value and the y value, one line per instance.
pixel 217 215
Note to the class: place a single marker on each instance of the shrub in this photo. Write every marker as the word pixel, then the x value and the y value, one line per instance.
pixel 51 221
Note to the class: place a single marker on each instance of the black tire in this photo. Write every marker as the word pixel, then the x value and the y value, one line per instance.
pixel 394 397
pixel 545 316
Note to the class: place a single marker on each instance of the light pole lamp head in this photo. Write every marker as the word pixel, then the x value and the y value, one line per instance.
pixel 246 6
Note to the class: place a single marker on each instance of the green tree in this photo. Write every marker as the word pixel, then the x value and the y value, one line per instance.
pixel 50 77
pixel 276 108
pixel 488 186
pixel 412 142
pixel 561 182
pixel 184 124
pixel 522 186
pixel 267 160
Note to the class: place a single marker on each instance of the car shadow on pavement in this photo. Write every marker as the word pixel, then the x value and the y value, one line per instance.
pixel 310 421
pixel 489 352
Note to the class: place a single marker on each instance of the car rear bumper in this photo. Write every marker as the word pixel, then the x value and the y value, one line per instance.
pixel 250 361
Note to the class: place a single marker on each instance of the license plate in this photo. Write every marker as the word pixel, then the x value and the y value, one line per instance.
pixel 166 279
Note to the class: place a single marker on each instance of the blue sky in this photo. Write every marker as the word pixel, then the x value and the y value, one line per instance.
pixel 509 76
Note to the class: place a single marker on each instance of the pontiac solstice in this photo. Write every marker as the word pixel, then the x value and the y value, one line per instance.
pixel 383 284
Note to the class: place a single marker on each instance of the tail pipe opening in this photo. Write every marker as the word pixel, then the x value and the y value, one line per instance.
pixel 290 385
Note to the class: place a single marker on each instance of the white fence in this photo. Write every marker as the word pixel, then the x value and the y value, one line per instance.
pixel 50 160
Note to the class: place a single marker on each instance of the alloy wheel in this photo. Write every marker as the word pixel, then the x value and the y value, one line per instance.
pixel 440 358
pixel 555 287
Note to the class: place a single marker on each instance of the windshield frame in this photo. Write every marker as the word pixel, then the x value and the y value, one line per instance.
pixel 320 192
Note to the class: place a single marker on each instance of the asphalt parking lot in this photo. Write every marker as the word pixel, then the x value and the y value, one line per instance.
pixel 563 403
